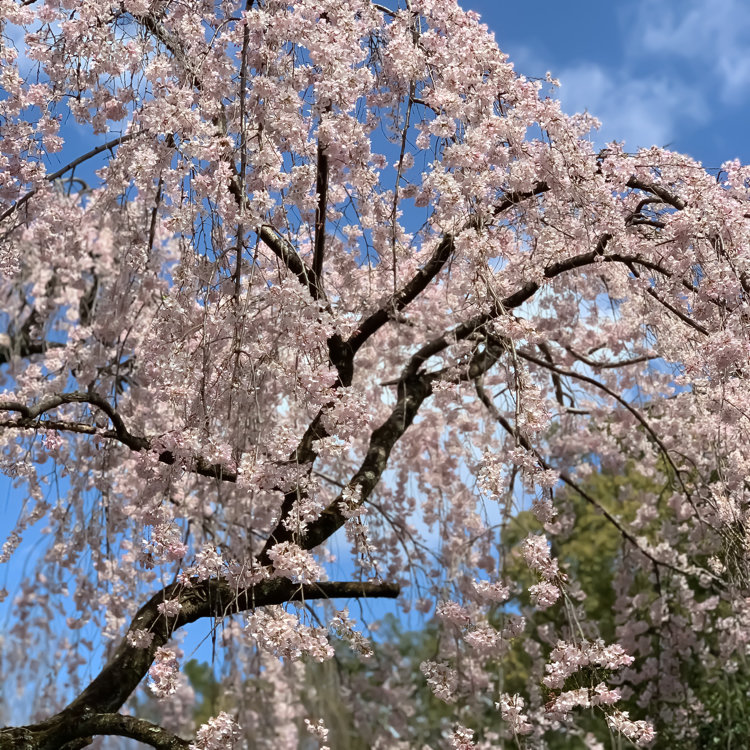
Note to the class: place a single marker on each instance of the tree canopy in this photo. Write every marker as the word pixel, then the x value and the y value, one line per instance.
pixel 337 294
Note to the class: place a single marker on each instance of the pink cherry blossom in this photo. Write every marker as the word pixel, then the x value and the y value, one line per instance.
pixel 511 708
pixel 218 733
pixel 163 673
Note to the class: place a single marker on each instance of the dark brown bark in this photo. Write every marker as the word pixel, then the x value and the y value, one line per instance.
pixel 125 669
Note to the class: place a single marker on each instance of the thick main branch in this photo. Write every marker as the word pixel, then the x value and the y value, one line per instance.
pixel 129 664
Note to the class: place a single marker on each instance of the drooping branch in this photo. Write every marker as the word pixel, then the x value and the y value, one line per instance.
pixel 108 146
pixel 413 389
pixel 210 598
pixel 31 418
pixel 418 283
pixel 129 664
pixel 525 443
pixel 653 436
pixel 281 248
pixel 517 298
pixel 526 292
pixel 321 188
pixel 681 315
pixel 559 394
pixel 342 355
pixel 343 352
pixel 599 365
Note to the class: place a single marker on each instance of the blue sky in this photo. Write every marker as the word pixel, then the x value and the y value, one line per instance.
pixel 669 73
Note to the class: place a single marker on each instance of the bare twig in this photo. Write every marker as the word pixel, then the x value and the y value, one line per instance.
pixel 71 165
pixel 565 478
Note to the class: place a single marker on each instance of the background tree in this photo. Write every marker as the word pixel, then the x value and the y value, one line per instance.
pixel 337 266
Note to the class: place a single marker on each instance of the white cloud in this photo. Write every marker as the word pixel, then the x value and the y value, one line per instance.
pixel 709 38
pixel 636 101
pixel 644 111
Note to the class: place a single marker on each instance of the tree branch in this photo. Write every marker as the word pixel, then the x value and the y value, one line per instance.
pixel 125 669
pixel 210 598
pixel 660 192
pixel 559 395
pixel 321 188
pixel 31 419
pixel 418 283
pixel 400 299
pixel 71 165
pixel 23 347
pixel 129 726
pixel 681 315
pixel 523 294
pixel 286 253
pixel 620 400
pixel 598 365
pixel 411 393
pixel 414 387
pixel 514 197
pixel 565 478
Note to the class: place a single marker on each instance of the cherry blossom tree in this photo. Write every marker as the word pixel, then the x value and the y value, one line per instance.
pixel 336 277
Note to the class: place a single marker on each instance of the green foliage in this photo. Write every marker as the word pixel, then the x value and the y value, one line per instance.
pixel 725 696
pixel 207 690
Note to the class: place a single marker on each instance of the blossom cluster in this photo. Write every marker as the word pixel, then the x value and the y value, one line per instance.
pixel 166 542
pixel 291 561
pixel 453 613
pixel 536 553
pixel 164 673
pixel 462 738
pixel 640 732
pixel 343 626
pixel 318 730
pixel 599 695
pixel 491 592
pixel 170 607
pixel 535 550
pixel 218 733
pixel 442 680
pixel 281 633
pixel 139 638
pixel 511 708
pixel 568 658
